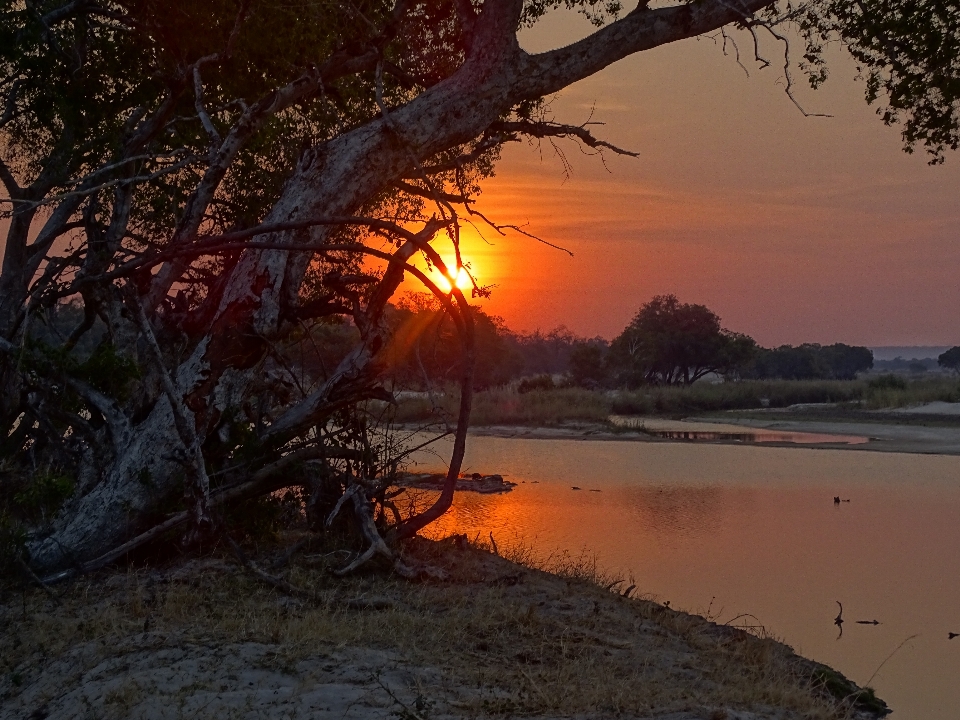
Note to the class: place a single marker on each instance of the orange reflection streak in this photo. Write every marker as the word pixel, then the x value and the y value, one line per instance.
pixel 756 529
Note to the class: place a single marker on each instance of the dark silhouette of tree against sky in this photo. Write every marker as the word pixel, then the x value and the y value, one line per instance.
pixel 950 359
pixel 674 343
pixel 208 181
pixel 811 362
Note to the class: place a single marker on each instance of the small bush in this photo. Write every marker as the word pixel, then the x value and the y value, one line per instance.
pixel 27 500
pixel 539 382
pixel 887 382
pixel 633 404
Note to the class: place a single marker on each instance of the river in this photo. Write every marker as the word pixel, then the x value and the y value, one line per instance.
pixel 728 530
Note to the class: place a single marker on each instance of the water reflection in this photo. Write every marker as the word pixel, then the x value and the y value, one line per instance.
pixel 682 513
pixel 757 528
pixel 718 432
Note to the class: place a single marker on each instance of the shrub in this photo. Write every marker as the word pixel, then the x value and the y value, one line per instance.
pixel 538 382
pixel 887 382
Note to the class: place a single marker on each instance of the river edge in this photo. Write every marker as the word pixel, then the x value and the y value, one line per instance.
pixel 495 639
pixel 883 436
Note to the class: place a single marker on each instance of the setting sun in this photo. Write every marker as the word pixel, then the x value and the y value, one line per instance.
pixel 463 281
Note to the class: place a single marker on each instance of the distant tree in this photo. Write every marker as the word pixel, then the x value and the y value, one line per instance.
pixel 425 346
pixel 545 353
pixel 738 352
pixel 950 359
pixel 588 363
pixel 674 343
pixel 811 361
pixel 846 361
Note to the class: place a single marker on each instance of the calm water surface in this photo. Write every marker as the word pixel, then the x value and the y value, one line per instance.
pixel 755 530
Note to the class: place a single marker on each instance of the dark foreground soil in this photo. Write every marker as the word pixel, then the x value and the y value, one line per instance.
pixel 493 639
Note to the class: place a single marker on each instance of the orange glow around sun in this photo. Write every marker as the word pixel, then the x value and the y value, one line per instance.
pixel 462 281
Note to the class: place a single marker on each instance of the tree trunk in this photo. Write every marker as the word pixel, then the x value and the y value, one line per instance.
pixel 333 179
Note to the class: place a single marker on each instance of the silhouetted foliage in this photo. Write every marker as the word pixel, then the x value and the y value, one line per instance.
pixel 887 382
pixel 588 364
pixel 950 359
pixel 674 343
pixel 901 365
pixel 537 382
pixel 811 362
pixel 425 351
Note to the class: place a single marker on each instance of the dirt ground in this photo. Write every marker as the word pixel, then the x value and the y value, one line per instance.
pixel 204 639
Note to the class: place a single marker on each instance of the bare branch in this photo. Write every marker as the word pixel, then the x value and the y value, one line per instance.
pixel 485 145
pixel 362 510
pixel 642 29
pixel 9 182
pixel 119 424
pixel 195 464
pixel 208 126
pixel 429 194
pixel 10 106
pixel 788 86
pixel 93 189
pixel 501 229
pixel 546 129
pixel 736 50
pixel 63 13
pixel 232 242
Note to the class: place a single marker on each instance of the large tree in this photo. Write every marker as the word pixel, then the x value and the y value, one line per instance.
pixel 673 343
pixel 209 182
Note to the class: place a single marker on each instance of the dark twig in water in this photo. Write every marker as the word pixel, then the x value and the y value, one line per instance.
pixel 496 550
pixel 868 622
pixel 838 620
pixel 895 651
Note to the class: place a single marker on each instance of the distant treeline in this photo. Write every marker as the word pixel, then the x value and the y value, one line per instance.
pixel 666 343
pixel 901 365
pixel 809 362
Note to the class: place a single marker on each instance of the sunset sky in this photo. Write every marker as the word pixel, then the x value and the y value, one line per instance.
pixel 793 229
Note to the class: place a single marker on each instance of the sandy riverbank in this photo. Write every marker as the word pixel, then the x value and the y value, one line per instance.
pixel 495 639
pixel 930 429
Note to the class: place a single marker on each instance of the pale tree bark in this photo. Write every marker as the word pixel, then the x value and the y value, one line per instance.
pixel 257 297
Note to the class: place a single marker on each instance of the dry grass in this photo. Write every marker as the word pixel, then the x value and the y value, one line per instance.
pixel 505 406
pixel 524 641
pixel 945 388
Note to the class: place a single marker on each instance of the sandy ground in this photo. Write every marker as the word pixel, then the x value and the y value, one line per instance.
pixel 881 430
pixel 934 408
pixel 495 640
pixel 883 437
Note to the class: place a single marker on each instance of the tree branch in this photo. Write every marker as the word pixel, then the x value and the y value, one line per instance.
pixel 551 129
pixel 195 464
pixel 640 30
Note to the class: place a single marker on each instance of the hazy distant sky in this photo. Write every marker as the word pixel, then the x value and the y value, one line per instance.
pixel 793 229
